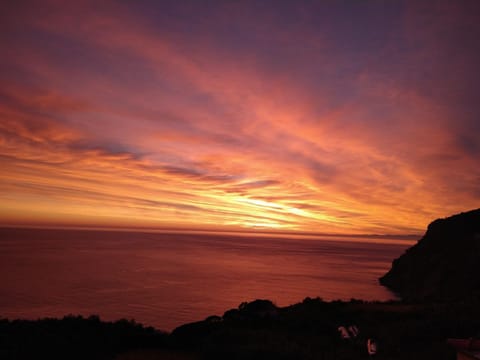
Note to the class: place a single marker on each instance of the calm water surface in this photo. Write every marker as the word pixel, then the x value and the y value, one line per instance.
pixel 165 280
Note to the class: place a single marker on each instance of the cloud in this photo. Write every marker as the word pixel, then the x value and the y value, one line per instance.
pixel 318 122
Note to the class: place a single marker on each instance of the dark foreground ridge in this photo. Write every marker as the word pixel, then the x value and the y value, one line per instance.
pixel 256 330
pixel 443 265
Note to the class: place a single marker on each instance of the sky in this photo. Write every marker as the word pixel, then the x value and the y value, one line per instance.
pixel 308 116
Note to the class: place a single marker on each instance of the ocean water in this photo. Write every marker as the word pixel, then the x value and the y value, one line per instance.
pixel 167 279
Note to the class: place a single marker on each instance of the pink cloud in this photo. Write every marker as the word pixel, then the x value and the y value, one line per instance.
pixel 213 136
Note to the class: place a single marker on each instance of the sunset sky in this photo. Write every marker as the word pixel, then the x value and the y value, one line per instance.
pixel 317 116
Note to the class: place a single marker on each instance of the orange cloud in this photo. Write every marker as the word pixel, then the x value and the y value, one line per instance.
pixel 110 119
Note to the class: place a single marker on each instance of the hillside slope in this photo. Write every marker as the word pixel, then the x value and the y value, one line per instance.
pixel 444 265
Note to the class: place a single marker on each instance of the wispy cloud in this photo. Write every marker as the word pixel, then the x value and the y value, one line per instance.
pixel 301 118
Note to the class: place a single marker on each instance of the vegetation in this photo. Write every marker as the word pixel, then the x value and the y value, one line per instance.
pixel 256 330
pixel 74 337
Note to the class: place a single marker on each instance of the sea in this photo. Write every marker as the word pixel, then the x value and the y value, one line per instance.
pixel 166 279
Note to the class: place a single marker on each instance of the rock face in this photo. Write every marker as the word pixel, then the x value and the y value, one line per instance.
pixel 444 265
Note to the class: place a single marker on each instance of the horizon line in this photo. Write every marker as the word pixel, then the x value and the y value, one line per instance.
pixel 412 237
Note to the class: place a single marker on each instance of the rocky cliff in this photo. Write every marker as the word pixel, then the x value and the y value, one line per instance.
pixel 444 265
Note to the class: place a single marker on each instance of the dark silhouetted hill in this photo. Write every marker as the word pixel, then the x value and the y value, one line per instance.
pixel 443 265
pixel 74 337
pixel 255 330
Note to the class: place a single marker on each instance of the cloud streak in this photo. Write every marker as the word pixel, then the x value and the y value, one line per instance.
pixel 300 118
